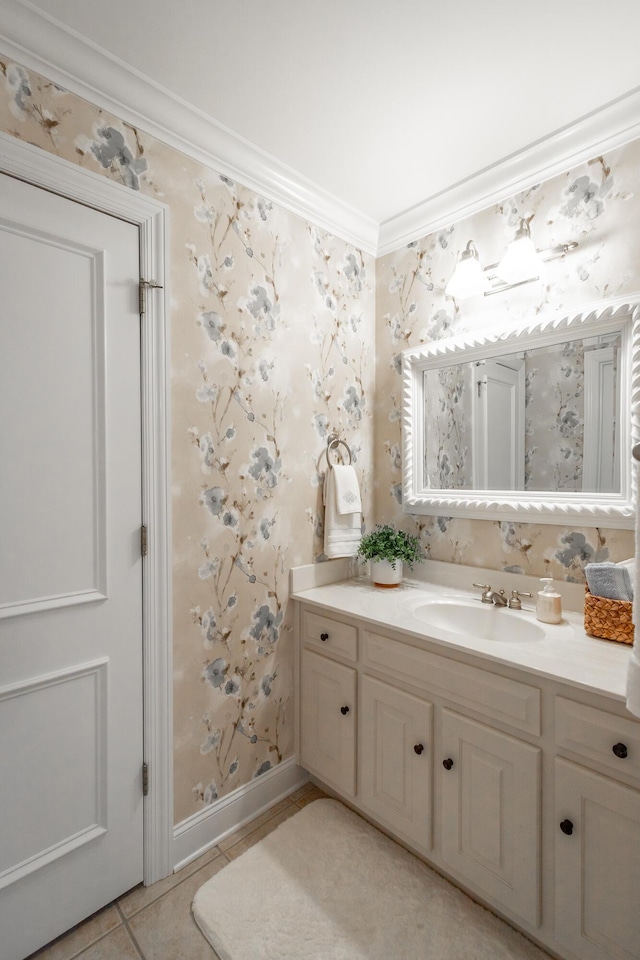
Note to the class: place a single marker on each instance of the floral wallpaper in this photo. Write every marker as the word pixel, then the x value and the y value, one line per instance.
pixel 448 428
pixel 597 204
pixel 272 324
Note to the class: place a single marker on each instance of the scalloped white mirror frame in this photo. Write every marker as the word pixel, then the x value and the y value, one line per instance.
pixel 590 509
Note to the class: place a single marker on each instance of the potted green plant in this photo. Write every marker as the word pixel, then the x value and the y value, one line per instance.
pixel 388 549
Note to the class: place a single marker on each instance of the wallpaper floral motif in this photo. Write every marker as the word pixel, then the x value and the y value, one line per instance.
pixel 597 204
pixel 272 349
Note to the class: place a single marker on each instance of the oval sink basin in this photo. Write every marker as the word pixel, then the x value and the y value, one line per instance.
pixel 469 619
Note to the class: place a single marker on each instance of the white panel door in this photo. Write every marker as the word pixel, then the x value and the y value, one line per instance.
pixel 70 565
pixel 396 759
pixel 327 720
pixel 491 813
pixel 597 844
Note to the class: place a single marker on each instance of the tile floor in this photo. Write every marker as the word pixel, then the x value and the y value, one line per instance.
pixel 155 923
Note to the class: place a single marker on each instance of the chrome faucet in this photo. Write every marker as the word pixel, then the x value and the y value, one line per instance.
pixel 490 596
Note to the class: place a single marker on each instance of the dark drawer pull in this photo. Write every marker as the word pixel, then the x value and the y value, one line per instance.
pixel 419 747
pixel 344 711
pixel 567 827
pixel 448 763
pixel 324 636
pixel 620 751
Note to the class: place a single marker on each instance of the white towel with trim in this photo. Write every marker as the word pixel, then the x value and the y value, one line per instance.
pixel 342 512
pixel 633 676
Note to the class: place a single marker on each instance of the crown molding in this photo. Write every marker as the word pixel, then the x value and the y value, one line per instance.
pixel 63 56
pixel 42 44
pixel 613 125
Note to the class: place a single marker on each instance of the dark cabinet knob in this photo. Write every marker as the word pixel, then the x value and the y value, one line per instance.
pixel 419 747
pixel 324 636
pixel 567 827
pixel 448 763
pixel 620 751
pixel 344 711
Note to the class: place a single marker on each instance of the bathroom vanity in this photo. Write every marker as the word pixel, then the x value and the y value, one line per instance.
pixel 497 748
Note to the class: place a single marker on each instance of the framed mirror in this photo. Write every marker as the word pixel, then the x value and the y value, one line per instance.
pixel 534 424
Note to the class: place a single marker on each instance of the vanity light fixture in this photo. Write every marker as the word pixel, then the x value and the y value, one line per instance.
pixel 469 279
pixel 521 263
pixel 521 260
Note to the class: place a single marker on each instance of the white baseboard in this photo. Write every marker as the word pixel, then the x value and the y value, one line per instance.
pixel 197 834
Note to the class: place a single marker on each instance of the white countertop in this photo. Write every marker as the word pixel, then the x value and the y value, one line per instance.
pixel 565 653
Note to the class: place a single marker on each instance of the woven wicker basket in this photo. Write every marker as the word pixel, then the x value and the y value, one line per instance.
pixel 608 619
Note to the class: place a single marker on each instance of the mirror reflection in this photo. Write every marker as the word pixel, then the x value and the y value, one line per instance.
pixel 540 420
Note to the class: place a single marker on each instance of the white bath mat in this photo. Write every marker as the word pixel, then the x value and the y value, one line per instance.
pixel 325 885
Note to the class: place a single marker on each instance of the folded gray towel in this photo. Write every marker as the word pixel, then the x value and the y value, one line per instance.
pixel 611 580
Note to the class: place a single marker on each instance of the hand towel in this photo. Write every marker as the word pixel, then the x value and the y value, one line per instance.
pixel 633 675
pixel 342 531
pixel 347 489
pixel 611 580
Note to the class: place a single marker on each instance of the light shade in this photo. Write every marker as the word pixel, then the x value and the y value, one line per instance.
pixel 521 260
pixel 468 278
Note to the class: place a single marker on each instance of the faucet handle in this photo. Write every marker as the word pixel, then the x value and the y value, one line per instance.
pixel 514 602
pixel 486 590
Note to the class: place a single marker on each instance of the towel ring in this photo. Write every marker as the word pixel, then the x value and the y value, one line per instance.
pixel 333 442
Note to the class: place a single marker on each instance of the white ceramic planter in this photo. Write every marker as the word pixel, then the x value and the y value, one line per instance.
pixel 384 575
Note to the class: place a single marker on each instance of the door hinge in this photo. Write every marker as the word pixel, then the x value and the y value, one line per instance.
pixel 145 779
pixel 144 540
pixel 143 287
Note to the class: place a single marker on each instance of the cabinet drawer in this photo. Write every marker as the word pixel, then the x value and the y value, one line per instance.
pixel 594 734
pixel 497 697
pixel 329 635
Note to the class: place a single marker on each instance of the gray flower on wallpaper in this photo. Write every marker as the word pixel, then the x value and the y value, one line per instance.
pixel 353 403
pixel 265 684
pixel 233 766
pixel 265 527
pixel 208 569
pixel 210 742
pixel 207 393
pixel 439 325
pixel 321 283
pixel 321 424
pixel 568 422
pixel 215 672
pixel 211 793
pixel 265 468
pixel 232 600
pixel 261 307
pixel 18 84
pixel 207 452
pixel 396 363
pixel 214 500
pixel 578 551
pixel 266 765
pixel 228 349
pixel 205 275
pixel 264 208
pixel 396 492
pixel 266 627
pixel 584 195
pixel 227 182
pixel 110 149
pixel 212 324
pixel 443 523
pixel 265 368
pixel 232 686
pixel 230 518
pixel 354 272
pixel 208 627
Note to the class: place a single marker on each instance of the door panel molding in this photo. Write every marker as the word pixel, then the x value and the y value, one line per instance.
pixel 42 169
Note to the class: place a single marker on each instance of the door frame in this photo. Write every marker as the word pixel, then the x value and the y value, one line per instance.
pixel 36 166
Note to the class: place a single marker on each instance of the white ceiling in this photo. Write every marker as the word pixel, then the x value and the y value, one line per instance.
pixel 381 103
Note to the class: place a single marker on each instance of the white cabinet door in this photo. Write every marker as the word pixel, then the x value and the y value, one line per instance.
pixel 597 865
pixel 396 759
pixel 491 813
pixel 328 721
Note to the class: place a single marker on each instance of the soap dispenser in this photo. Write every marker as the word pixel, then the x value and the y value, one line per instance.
pixel 549 603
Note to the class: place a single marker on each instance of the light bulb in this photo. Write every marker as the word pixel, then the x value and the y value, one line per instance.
pixel 521 260
pixel 468 278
